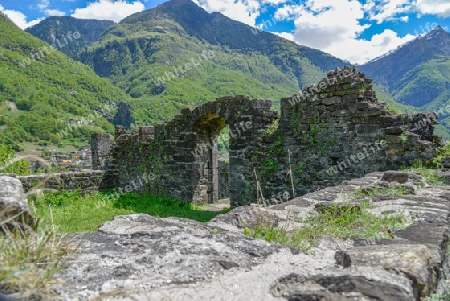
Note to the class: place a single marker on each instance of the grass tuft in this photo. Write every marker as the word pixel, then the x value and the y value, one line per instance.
pixel 336 221
pixel 430 173
pixel 363 192
pixel 30 259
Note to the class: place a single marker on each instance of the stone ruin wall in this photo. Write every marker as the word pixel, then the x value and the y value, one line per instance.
pixel 179 157
pixel 328 126
pixel 101 148
pixel 324 131
pixel 85 181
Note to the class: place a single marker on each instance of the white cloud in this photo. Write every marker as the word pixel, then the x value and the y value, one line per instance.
pixel 361 51
pixel 274 2
pixel 323 23
pixel 387 10
pixel 287 35
pixel 440 8
pixel 43 4
pixel 334 26
pixel 288 12
pixel 245 11
pixel 108 10
pixel 54 12
pixel 19 18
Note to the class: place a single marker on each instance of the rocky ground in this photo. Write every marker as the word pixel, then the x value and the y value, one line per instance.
pixel 139 257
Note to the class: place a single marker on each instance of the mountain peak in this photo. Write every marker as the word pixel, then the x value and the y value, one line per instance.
pixel 437 29
pixel 436 32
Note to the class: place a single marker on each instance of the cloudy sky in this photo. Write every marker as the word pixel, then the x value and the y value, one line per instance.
pixel 355 30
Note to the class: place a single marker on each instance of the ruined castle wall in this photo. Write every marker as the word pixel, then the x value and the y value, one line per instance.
pixel 337 131
pixel 179 158
pixel 334 131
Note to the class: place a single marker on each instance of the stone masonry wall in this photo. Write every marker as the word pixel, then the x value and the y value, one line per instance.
pixel 85 181
pixel 179 157
pixel 333 131
pixel 101 148
pixel 338 131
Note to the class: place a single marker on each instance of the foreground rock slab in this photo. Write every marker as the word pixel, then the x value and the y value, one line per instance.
pixel 139 257
pixel 14 210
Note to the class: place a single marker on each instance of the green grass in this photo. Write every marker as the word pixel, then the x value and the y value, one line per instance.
pixel 438 297
pixel 335 221
pixel 74 212
pixel 378 190
pixel 30 259
pixel 430 173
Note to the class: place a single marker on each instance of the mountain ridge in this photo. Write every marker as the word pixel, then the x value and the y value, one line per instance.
pixel 136 53
pixel 40 93
pixel 415 51
pixel 418 74
pixel 431 34
pixel 56 30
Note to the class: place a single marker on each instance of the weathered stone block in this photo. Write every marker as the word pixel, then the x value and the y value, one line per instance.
pixel 14 210
pixel 340 113
pixel 413 260
pixel 395 176
pixel 368 130
pixel 394 130
pixel 393 139
pixel 388 119
pixel 332 100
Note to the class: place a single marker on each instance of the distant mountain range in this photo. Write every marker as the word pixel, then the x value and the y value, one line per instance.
pixel 143 55
pixel 178 55
pixel 418 74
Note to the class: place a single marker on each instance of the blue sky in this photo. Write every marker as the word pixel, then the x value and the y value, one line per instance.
pixel 355 30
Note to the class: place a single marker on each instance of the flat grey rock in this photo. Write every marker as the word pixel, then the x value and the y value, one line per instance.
pixel 139 257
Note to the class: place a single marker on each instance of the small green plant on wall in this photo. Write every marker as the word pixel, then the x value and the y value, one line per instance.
pixel 313 132
pixel 299 168
pixel 296 121
pixel 403 138
pixel 270 166
pixel 272 128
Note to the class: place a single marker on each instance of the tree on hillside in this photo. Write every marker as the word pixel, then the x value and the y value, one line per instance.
pixel 9 165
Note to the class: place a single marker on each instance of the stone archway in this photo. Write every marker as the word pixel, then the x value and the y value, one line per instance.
pixel 245 118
